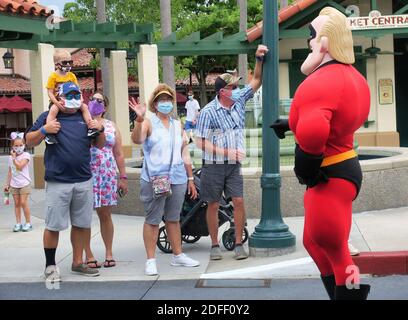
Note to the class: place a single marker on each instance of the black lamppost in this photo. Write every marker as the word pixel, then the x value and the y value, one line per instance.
pixel 130 59
pixel 8 60
pixel 94 51
pixel 272 235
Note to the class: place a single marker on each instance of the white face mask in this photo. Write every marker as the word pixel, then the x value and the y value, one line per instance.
pixel 19 150
pixel 72 104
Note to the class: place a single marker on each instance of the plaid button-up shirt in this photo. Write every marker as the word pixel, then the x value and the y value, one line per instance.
pixel 224 127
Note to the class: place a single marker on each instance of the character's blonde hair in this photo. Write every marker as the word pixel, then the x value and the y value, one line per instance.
pixel 61 55
pixel 163 88
pixel 339 35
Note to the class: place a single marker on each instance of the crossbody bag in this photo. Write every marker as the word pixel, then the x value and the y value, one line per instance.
pixel 161 184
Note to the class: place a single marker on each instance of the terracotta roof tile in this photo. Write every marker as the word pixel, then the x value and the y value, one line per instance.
pixel 284 14
pixel 88 84
pixel 81 58
pixel 24 8
pixel 17 84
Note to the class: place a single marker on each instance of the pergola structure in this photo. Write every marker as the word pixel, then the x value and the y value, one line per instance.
pixel 67 34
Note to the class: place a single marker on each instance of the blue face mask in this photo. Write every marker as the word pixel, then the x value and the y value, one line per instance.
pixel 235 94
pixel 165 107
pixel 73 104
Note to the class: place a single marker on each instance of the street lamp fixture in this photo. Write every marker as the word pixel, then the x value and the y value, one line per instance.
pixel 8 60
pixel 130 59
pixel 94 51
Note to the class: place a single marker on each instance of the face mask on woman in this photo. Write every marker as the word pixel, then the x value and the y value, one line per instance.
pixel 165 107
pixel 19 150
pixel 190 98
pixel 96 108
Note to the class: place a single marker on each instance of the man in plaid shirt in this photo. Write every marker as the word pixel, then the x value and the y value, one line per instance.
pixel 220 134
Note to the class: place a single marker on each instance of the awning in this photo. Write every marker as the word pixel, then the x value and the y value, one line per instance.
pixel 14 104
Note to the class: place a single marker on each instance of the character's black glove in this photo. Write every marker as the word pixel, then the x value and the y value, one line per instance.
pixel 280 126
pixel 307 168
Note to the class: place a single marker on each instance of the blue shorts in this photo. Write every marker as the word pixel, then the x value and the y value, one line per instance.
pixel 189 125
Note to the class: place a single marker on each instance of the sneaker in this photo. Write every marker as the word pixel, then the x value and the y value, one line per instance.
pixel 52 274
pixel 150 267
pixel 51 139
pixel 27 227
pixel 215 253
pixel 84 270
pixel 182 260
pixel 93 133
pixel 353 251
pixel 18 227
pixel 239 252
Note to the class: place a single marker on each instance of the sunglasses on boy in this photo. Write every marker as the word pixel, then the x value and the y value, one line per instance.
pixel 72 95
pixel 66 62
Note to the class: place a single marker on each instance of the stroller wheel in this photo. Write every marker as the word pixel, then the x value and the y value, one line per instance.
pixel 190 239
pixel 162 242
pixel 245 235
pixel 228 238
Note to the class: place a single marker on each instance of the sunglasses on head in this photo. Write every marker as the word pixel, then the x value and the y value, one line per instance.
pixel 70 96
pixel 97 99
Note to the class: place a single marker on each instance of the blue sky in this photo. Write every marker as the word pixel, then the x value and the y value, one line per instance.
pixel 59 3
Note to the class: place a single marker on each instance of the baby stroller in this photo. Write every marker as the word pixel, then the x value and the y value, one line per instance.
pixel 193 221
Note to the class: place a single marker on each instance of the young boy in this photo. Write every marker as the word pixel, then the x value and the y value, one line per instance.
pixel 193 109
pixel 62 74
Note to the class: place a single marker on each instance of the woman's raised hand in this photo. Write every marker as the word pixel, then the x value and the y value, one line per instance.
pixel 139 108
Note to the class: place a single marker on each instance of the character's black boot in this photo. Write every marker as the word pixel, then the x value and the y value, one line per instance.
pixel 342 293
pixel 329 283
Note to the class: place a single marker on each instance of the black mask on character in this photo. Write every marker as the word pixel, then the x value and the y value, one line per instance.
pixel 313 35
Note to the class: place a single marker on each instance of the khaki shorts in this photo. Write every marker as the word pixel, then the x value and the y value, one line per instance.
pixel 20 191
pixel 68 202
pixel 156 209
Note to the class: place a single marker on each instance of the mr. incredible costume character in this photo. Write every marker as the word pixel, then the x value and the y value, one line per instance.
pixel 328 107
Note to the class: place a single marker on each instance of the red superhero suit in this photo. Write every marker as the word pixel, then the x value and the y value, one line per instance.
pixel 328 107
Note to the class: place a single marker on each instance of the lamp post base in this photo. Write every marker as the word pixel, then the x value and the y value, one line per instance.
pixel 270 252
pixel 272 241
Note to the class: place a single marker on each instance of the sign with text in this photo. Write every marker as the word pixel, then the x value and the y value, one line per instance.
pixel 385 91
pixel 377 21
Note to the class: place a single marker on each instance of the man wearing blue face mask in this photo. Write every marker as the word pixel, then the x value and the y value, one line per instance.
pixel 68 177
pixel 193 108
pixel 220 134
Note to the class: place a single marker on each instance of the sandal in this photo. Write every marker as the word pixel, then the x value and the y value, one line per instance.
pixel 93 264
pixel 109 263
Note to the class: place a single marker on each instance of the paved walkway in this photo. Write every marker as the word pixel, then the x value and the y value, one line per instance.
pixel 22 257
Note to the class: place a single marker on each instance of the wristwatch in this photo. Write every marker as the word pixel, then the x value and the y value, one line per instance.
pixel 259 58
pixel 190 178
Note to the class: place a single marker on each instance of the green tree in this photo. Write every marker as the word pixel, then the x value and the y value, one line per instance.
pixel 209 17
